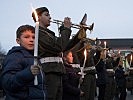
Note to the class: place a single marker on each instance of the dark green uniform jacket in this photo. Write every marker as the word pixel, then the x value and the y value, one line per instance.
pixel 52 46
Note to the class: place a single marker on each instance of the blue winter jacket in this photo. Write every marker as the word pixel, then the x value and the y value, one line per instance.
pixel 17 79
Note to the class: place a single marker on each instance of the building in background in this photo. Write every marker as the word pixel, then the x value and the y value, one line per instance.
pixel 123 45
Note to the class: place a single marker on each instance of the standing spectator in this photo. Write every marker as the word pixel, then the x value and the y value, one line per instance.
pixel 70 80
pixel 120 77
pixel 130 77
pixel 130 61
pixel 18 70
pixel 101 73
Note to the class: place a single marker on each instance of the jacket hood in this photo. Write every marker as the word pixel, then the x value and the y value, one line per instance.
pixel 19 49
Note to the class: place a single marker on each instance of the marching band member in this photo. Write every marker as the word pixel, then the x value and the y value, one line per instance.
pixel 50 50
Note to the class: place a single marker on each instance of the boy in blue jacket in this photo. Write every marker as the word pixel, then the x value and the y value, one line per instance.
pixel 18 70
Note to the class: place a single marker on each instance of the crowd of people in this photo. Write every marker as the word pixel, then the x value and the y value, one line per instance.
pixel 62 71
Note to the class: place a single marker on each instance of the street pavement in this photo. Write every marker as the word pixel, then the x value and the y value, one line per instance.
pixel 129 96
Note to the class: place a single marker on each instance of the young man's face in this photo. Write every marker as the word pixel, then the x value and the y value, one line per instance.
pixel 44 19
pixel 26 40
pixel 69 57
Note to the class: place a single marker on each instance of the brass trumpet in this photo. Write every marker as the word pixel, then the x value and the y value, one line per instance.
pixel 77 26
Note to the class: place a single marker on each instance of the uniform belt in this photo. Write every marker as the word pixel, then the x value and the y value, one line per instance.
pixel 109 70
pixel 89 68
pixel 76 65
pixel 51 59
pixel 131 68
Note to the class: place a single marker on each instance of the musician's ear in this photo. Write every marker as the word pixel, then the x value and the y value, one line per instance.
pixel 18 40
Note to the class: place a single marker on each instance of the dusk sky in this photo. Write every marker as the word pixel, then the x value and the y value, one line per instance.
pixel 112 18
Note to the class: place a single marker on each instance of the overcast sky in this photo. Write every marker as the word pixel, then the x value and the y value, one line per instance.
pixel 112 18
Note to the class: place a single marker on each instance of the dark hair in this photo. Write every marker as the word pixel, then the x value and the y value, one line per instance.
pixel 24 28
pixel 39 11
pixel 66 53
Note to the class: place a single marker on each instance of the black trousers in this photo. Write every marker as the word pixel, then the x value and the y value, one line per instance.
pixel 54 86
pixel 110 89
pixel 89 87
pixel 101 91
pixel 120 93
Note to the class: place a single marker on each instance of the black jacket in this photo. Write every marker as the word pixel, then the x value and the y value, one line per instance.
pixel 101 70
pixel 120 77
pixel 70 84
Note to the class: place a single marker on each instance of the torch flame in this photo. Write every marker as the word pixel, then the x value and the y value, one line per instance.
pixel 35 13
pixel 85 53
pixel 131 60
pixel 105 44
pixel 119 51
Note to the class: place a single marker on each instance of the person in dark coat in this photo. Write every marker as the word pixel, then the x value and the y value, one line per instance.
pixel 110 86
pixel 99 59
pixel 120 77
pixel 50 50
pixel 129 59
pixel 18 70
pixel 71 79
pixel 89 81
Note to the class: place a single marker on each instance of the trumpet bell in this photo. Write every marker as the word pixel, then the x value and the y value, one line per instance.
pixel 91 27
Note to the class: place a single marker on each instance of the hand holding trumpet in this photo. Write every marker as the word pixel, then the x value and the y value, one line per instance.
pixel 67 22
